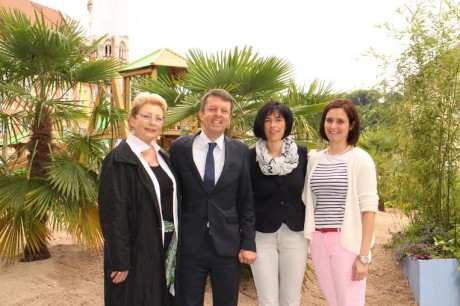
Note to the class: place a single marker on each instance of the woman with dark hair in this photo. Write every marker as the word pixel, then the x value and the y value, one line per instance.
pixel 278 169
pixel 341 199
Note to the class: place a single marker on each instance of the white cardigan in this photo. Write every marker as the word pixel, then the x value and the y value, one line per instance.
pixel 361 196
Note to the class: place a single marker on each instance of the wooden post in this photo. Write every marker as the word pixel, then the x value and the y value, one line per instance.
pixel 118 103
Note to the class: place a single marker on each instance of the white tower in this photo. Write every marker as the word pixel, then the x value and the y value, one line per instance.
pixel 90 10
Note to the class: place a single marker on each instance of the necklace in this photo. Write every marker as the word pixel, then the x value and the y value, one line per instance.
pixel 346 149
pixel 150 156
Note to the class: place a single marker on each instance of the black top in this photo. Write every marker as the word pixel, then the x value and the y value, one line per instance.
pixel 167 191
pixel 278 199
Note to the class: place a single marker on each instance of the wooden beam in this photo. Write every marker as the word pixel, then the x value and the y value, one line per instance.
pixel 127 92
pixel 154 73
pixel 97 102
pixel 118 103
pixel 137 72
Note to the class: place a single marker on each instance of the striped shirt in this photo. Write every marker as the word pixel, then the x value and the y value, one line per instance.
pixel 329 184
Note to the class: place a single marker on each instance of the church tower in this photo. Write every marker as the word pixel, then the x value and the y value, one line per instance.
pixel 116 46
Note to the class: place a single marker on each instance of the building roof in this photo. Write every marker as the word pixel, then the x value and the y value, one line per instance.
pixel 29 8
pixel 161 57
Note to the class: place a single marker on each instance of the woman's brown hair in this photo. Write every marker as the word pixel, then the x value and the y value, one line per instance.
pixel 352 114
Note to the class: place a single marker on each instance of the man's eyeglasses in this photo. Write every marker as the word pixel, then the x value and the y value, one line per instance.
pixel 150 118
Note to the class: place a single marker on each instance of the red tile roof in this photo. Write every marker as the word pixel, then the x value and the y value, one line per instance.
pixel 29 8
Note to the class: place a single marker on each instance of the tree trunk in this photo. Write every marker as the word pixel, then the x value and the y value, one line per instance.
pixel 39 148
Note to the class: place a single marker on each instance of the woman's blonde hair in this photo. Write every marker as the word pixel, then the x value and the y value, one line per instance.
pixel 147 98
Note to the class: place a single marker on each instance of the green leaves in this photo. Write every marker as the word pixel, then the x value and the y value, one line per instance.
pixel 105 118
pixel 42 67
pixel 15 230
pixel 72 180
pixel 171 90
pixel 67 199
pixel 221 70
pixel 189 107
pixel 95 71
pixel 241 72
pixel 251 79
pixel 17 223
pixel 418 142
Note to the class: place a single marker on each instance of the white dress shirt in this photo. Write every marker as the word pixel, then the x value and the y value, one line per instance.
pixel 200 150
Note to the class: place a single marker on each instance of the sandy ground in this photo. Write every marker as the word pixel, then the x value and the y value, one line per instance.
pixel 73 276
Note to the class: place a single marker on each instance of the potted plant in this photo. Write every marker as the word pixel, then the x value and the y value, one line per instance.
pixel 429 255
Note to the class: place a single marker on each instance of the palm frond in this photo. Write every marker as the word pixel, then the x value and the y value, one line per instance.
pixel 171 90
pixel 14 190
pixel 85 228
pixel 66 113
pixel 89 150
pixel 317 92
pixel 251 80
pixel 305 110
pixel 43 198
pixel 265 78
pixel 71 179
pixel 12 123
pixel 18 223
pixel 95 71
pixel 16 230
pixel 221 70
pixel 105 117
pixel 190 106
pixel 50 56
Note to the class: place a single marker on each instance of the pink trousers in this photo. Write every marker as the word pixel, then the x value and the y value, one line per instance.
pixel 333 268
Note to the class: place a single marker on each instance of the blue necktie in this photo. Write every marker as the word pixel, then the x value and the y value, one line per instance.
pixel 208 178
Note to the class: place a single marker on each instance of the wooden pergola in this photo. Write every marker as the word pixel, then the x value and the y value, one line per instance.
pixel 161 62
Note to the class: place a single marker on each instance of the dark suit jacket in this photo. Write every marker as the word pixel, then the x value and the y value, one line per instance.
pixel 229 208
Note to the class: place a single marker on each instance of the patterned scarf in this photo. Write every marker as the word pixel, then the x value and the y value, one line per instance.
pixel 282 165
pixel 171 255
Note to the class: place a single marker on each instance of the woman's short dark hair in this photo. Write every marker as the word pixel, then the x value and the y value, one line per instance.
pixel 268 109
pixel 352 114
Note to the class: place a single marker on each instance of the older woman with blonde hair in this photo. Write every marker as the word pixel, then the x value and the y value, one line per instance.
pixel 138 212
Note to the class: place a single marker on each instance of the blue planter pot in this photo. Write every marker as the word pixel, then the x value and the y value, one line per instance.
pixel 434 282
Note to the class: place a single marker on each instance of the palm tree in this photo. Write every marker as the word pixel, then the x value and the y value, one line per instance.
pixel 40 66
pixel 307 105
pixel 251 79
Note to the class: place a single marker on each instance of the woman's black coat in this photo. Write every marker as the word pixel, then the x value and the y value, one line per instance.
pixel 131 225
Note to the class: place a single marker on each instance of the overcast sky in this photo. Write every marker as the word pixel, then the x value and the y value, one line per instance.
pixel 322 39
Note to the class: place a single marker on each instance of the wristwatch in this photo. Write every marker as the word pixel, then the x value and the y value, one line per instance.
pixel 364 259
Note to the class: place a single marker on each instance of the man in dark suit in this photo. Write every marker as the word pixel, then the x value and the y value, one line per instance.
pixel 217 221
